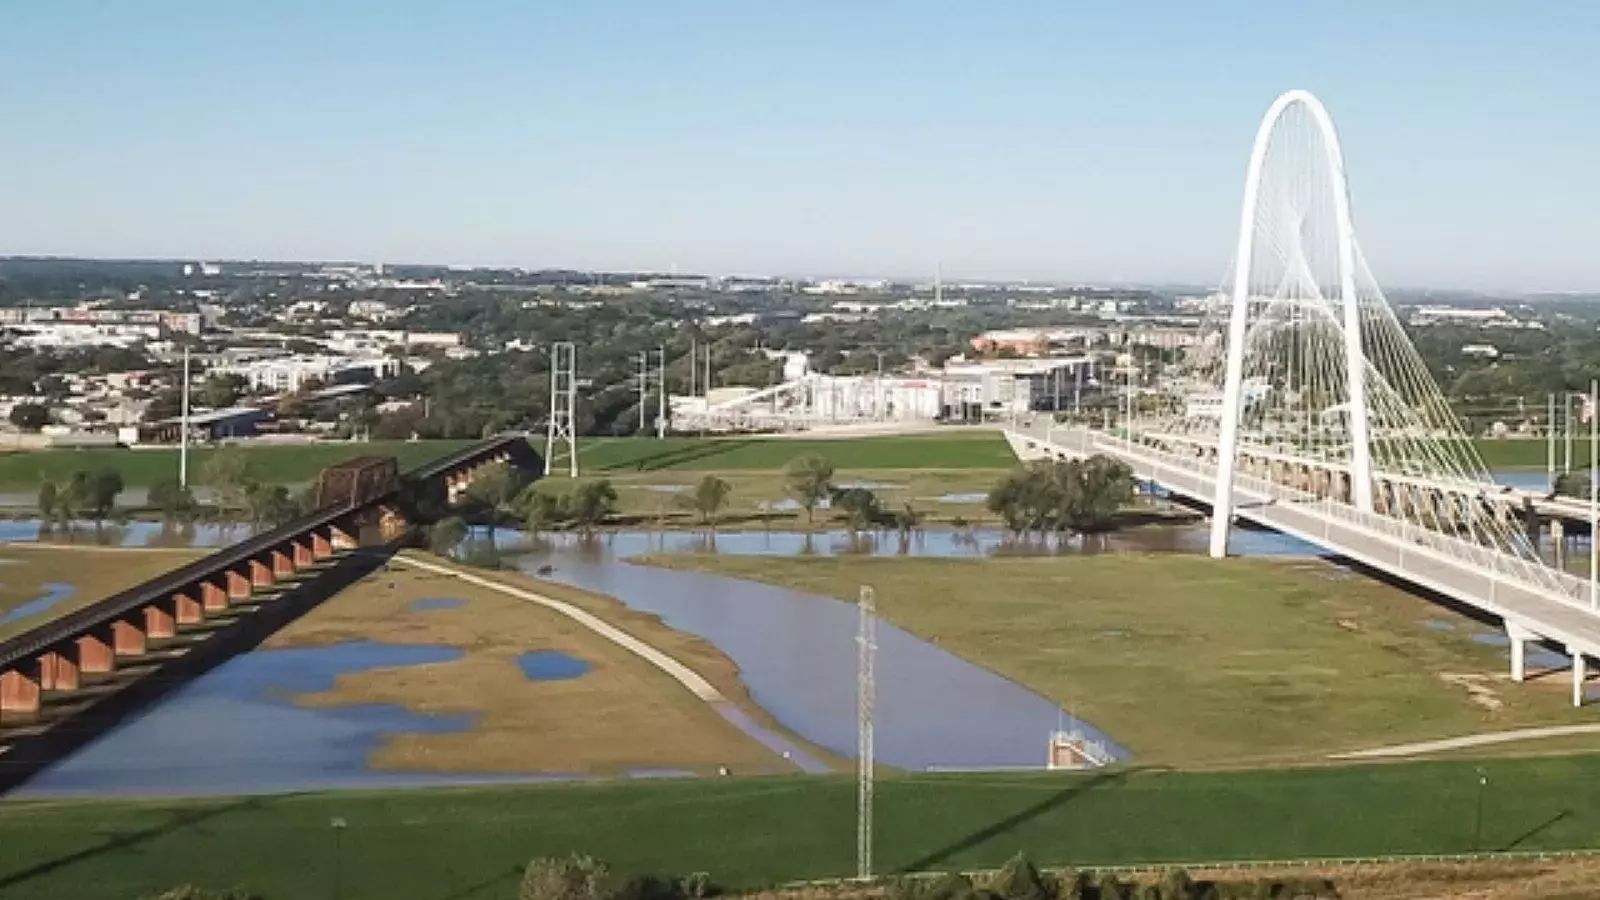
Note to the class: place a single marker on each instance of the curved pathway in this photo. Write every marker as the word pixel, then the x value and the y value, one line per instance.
pixel 1466 741
pixel 679 672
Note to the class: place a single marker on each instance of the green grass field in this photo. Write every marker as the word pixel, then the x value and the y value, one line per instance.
pixel 472 843
pixel 1520 453
pixel 280 464
pixel 955 450
pixel 1188 661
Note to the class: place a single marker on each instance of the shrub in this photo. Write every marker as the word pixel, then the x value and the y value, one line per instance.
pixel 1021 880
pixel 698 886
pixel 573 877
pixel 190 892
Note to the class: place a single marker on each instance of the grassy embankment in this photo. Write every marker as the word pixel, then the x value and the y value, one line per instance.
pixel 748 832
pixel 94 573
pixel 1192 662
pixel 275 463
pixel 652 477
pixel 622 714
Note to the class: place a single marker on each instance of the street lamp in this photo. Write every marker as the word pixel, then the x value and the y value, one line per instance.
pixel 338 824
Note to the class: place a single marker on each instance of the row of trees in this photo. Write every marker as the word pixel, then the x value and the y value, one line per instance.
pixel 1079 496
pixel 85 494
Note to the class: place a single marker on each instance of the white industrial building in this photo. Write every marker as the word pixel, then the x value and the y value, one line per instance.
pixel 290 373
pixel 963 392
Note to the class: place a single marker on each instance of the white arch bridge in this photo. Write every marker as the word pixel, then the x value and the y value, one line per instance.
pixel 1304 408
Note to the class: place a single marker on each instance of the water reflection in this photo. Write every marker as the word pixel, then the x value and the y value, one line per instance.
pixel 135 533
pixel 796 653
pixel 236 729
pixel 54 592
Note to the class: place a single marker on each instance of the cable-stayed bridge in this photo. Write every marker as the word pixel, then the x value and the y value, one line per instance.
pixel 1305 408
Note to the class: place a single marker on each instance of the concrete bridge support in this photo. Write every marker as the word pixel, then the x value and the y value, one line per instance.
pixel 1579 673
pixel 1558 543
pixel 1519 638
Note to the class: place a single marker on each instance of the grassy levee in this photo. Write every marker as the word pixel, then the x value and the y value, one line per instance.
pixel 955 450
pixel 1530 453
pixel 27 572
pixel 276 463
pixel 749 832
pixel 1188 661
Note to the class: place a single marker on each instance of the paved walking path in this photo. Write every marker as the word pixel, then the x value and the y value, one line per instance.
pixel 689 678
pixel 680 673
pixel 1470 740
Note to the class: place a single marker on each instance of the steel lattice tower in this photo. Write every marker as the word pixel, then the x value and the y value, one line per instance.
pixel 563 407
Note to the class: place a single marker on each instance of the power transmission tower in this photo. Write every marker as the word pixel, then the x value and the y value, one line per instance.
pixel 866 700
pixel 563 406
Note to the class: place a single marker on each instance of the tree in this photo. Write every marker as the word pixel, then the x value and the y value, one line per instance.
pixel 1021 880
pixel 1572 484
pixel 92 493
pixel 269 505
pixel 227 474
pixel 29 416
pixel 48 501
pixel 541 510
pixel 861 507
pixel 221 391
pixel 175 501
pixel 810 479
pixel 709 496
pixel 446 535
pixel 489 492
pixel 591 503
pixel 1081 496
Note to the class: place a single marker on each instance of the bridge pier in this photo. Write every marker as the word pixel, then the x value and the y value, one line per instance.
pixel 127 639
pixel 1579 673
pixel 1519 638
pixel 1558 542
pixel 158 623
pixel 186 610
pixel 260 574
pixel 95 654
pixel 19 691
pixel 57 672
pixel 282 564
pixel 238 585
pixel 212 597
pixel 303 557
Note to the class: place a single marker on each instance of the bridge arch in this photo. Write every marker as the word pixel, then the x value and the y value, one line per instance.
pixel 1355 357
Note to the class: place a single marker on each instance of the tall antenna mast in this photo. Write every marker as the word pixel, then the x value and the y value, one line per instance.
pixel 563 406
pixel 866 701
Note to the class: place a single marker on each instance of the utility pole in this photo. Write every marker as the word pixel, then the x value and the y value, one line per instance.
pixel 866 719
pixel 563 406
pixel 661 395
pixel 1550 443
pixel 1566 403
pixel 1592 410
pixel 644 385
pixel 183 426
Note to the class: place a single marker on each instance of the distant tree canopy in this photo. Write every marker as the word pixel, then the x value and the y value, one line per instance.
pixel 29 416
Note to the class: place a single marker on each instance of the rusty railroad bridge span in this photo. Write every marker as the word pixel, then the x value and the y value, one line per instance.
pixel 64 682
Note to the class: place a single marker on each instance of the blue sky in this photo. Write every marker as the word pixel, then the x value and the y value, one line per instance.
pixel 1064 140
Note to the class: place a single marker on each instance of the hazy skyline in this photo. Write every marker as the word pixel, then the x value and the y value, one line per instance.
pixel 1020 140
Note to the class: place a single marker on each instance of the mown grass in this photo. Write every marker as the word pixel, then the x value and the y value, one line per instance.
pixel 276 463
pixel 1189 661
pixel 956 450
pixel 748 832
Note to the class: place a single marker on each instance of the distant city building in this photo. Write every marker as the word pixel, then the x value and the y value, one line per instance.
pixel 290 373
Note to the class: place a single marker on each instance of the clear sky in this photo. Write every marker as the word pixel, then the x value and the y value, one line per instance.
pixel 1094 141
